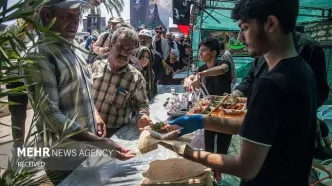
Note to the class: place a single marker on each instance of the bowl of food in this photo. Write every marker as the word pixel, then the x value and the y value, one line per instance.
pixel 161 130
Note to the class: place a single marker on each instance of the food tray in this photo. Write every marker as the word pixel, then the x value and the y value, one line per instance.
pixel 169 135
pixel 198 104
pixel 220 113
pixel 230 113
pixel 214 98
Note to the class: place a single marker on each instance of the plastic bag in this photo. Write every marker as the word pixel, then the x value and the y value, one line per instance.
pixel 198 140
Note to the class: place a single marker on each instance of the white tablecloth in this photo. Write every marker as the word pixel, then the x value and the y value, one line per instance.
pixel 107 171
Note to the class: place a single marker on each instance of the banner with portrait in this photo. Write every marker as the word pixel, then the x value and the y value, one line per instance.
pixel 149 13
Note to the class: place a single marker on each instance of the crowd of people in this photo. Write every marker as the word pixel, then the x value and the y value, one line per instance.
pixel 112 87
pixel 169 53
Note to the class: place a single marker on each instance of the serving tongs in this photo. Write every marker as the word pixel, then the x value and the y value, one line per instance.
pixel 203 88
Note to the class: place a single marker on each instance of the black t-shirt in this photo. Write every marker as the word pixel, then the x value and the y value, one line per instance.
pixel 310 51
pixel 187 59
pixel 176 65
pixel 282 115
pixel 167 79
pixel 158 47
pixel 180 49
pixel 218 85
pixel 157 65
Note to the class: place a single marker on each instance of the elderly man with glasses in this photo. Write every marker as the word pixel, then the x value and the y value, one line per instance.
pixel 63 76
pixel 119 90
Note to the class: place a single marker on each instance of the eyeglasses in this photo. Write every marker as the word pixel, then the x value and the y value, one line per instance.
pixel 125 49
pixel 158 32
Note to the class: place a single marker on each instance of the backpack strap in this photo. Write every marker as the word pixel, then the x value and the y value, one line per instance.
pixel 104 38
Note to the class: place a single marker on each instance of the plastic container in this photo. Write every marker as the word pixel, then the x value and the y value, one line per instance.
pixel 170 135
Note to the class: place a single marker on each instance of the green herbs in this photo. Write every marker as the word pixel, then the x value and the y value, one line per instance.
pixel 162 128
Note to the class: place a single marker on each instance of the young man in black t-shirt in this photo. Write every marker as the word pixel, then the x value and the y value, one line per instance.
pixel 278 131
pixel 209 50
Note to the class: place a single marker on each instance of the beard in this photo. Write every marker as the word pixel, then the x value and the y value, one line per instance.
pixel 261 41
pixel 145 44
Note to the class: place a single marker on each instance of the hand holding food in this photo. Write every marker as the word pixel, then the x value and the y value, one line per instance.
pixel 187 84
pixel 189 123
pixel 162 128
pixel 195 83
pixel 143 121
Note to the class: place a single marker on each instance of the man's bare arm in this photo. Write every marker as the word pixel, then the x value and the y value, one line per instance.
pixel 246 164
pixel 223 125
pixel 97 47
pixel 238 93
pixel 215 71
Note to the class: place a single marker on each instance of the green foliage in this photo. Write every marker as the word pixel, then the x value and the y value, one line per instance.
pixel 13 59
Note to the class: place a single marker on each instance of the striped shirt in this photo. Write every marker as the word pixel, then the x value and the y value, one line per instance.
pixel 66 81
pixel 117 94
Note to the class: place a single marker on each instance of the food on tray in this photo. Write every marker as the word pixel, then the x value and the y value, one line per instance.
pixel 236 106
pixel 214 104
pixel 201 110
pixel 203 103
pixel 207 110
pixel 230 100
pixel 242 99
pixel 215 98
pixel 233 112
pixel 162 128
pixel 204 107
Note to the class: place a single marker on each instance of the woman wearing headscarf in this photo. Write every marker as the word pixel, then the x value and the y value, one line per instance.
pixel 144 55
pixel 172 65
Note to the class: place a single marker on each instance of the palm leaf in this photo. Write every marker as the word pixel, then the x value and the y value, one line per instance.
pixel 11 79
pixel 116 5
pixel 3 124
pixel 13 56
pixel 4 9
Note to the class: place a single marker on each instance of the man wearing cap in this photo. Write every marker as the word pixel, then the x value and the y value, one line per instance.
pixel 140 28
pixel 145 39
pixel 66 81
pixel 102 44
pixel 172 44
pixel 160 44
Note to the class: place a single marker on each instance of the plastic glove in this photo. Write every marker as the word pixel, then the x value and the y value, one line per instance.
pixel 189 123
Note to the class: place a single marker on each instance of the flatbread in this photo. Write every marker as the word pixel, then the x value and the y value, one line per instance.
pixel 174 169
pixel 175 146
pixel 202 180
pixel 146 143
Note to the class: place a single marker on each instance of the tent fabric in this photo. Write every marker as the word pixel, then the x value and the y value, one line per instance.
pixel 183 29
pixel 216 16
pixel 325 4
